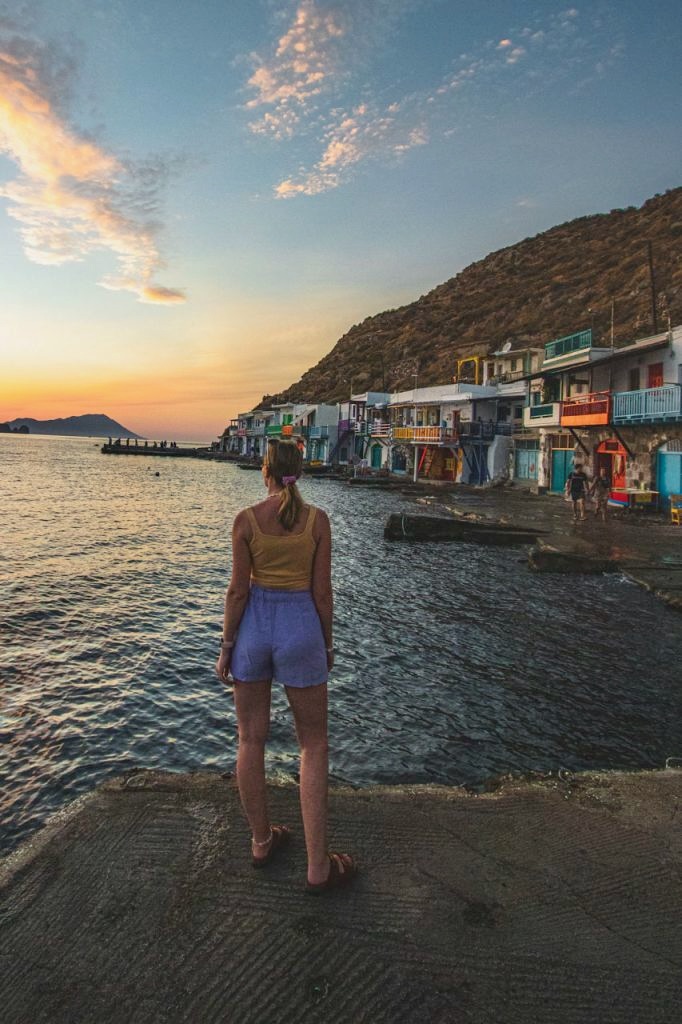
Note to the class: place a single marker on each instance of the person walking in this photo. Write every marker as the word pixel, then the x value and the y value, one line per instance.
pixel 576 489
pixel 278 625
pixel 600 489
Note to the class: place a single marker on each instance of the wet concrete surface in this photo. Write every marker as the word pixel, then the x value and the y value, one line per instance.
pixel 644 546
pixel 553 899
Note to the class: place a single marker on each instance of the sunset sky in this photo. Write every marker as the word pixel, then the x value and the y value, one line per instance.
pixel 198 199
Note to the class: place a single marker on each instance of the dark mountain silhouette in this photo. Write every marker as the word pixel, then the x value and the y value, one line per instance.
pixel 89 425
pixel 558 282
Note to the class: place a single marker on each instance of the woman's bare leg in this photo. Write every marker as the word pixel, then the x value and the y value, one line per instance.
pixel 309 707
pixel 252 704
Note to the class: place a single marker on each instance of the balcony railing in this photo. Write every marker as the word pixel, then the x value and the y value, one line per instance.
pixel 378 429
pixel 421 435
pixel 570 343
pixel 545 415
pixel 255 431
pixel 541 412
pixel 347 425
pixel 508 377
pixel 241 432
pixel 483 430
pixel 273 429
pixel 586 410
pixel 648 405
pixel 417 434
pixel 313 433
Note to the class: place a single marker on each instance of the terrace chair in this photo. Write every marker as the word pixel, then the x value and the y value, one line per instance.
pixel 676 509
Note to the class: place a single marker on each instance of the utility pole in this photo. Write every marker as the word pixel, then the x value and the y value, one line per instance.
pixel 652 279
pixel 613 316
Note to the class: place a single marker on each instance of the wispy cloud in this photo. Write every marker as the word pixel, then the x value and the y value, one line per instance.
pixel 305 59
pixel 359 135
pixel 71 196
pixel 299 86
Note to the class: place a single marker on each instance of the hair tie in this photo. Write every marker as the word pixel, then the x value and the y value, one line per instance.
pixel 286 480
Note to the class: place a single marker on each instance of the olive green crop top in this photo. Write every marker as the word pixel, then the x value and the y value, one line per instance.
pixel 282 563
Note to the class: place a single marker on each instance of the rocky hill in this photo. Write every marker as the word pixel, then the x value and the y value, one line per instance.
pixel 558 282
pixel 88 425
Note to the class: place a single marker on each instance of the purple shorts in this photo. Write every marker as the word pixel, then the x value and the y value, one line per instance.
pixel 280 637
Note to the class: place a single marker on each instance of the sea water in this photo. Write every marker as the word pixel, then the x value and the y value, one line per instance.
pixel 454 662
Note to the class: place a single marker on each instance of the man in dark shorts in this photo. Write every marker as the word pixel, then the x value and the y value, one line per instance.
pixel 576 489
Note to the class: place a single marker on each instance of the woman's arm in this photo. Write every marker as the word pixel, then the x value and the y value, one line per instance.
pixel 237 593
pixel 322 580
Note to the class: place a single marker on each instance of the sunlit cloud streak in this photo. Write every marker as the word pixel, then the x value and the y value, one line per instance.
pixel 305 58
pixel 363 133
pixel 72 197
pixel 516 63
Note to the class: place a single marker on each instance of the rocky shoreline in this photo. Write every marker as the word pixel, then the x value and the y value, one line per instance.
pixel 646 550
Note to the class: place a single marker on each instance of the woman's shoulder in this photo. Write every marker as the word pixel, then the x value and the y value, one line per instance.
pixel 321 520
pixel 242 518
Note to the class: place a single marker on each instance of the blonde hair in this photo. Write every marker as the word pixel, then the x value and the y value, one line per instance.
pixel 283 459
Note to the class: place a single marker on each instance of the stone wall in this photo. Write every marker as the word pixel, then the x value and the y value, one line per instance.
pixel 643 442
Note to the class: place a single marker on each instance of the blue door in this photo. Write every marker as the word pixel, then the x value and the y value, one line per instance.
pixel 376 456
pixel 527 463
pixel 562 464
pixel 669 474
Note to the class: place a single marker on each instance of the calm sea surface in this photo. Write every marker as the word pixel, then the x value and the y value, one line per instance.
pixel 455 663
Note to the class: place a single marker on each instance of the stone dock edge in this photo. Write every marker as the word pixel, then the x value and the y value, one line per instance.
pixel 551 897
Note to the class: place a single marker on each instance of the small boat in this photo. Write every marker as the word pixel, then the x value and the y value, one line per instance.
pixel 249 465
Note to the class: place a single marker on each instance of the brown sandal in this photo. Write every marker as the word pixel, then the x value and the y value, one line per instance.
pixel 341 872
pixel 279 837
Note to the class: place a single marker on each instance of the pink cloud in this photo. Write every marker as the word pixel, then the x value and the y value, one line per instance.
pixel 71 197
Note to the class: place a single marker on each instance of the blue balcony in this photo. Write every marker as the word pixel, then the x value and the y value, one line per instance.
pixel 565 346
pixel 650 405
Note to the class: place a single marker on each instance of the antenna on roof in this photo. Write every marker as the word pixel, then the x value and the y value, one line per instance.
pixel 507 346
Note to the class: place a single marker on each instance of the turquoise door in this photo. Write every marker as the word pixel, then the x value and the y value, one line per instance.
pixel 527 464
pixel 669 474
pixel 562 464
pixel 376 456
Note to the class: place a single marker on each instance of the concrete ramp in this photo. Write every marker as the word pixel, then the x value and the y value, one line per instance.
pixel 555 900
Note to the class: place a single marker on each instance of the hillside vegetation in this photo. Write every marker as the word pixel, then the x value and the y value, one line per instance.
pixel 558 282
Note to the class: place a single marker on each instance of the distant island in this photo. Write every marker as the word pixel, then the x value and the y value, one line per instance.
pixel 7 428
pixel 89 425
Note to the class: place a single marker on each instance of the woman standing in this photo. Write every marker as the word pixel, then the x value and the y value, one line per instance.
pixel 278 624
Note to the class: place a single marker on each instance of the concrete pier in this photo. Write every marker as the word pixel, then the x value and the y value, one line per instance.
pixel 555 899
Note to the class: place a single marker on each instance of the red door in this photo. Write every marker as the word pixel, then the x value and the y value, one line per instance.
pixel 655 375
pixel 611 456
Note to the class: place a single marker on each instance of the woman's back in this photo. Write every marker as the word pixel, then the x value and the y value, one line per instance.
pixel 281 559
